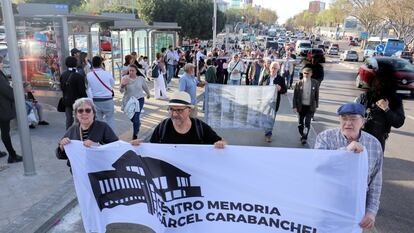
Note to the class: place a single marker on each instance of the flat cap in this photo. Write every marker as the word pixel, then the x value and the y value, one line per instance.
pixel 351 108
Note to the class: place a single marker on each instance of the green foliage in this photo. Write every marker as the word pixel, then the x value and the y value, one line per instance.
pixel 251 15
pixel 70 3
pixel 194 16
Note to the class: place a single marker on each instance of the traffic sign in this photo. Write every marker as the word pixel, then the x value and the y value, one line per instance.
pixel 363 35
pixel 380 48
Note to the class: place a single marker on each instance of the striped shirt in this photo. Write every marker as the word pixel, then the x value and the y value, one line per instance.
pixel 333 139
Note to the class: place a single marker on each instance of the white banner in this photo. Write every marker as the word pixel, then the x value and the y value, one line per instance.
pixel 197 188
pixel 239 106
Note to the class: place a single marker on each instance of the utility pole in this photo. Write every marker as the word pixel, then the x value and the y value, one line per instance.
pixel 214 24
pixel 25 141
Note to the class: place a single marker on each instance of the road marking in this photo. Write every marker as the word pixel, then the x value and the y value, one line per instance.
pixel 412 118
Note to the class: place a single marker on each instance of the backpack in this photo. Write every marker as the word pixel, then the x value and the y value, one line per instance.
pixel 162 129
pixel 155 71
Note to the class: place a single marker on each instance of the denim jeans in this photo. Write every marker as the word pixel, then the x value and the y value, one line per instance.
pixel 234 82
pixel 288 78
pixel 105 111
pixel 170 73
pixel 136 120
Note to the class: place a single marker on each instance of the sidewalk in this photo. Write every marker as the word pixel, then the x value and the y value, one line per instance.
pixel 32 203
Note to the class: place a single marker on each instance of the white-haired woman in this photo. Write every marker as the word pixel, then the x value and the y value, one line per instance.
pixel 86 128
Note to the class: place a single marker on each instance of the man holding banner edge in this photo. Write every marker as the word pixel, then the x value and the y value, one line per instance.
pixel 180 128
pixel 350 137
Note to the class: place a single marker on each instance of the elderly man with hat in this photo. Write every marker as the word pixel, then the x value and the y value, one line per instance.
pixel 180 128
pixel 349 136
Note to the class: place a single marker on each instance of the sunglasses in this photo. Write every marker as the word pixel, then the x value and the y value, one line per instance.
pixel 86 110
pixel 177 110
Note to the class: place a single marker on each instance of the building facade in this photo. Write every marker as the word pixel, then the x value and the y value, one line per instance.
pixel 316 6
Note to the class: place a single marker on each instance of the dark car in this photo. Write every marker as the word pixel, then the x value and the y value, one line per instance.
pixel 353 43
pixel 404 73
pixel 316 53
pixel 407 55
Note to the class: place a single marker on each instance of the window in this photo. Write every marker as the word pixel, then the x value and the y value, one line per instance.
pixel 177 194
pixel 163 181
pixel 168 196
pixel 179 182
pixel 157 182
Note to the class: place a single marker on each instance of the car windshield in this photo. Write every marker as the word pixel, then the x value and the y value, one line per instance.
pixel 399 65
pixel 352 52
pixel 305 45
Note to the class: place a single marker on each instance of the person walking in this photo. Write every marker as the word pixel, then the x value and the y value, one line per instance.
pixel 101 83
pixel 169 62
pixel 8 112
pixel 274 79
pixel 305 102
pixel 349 136
pixel 160 91
pixel 235 69
pixel 133 86
pixel 189 83
pixel 384 108
pixel 73 87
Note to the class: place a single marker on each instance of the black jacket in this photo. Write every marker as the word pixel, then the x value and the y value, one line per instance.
pixel 379 122
pixel 99 132
pixel 279 80
pixel 8 110
pixel 73 87
pixel 297 95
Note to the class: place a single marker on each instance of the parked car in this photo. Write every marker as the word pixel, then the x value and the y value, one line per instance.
pixel 404 73
pixel 349 55
pixel 333 51
pixel 353 43
pixel 316 53
pixel 335 45
pixel 407 55
pixel 321 46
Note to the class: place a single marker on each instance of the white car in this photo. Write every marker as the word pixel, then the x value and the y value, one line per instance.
pixel 349 55
pixel 333 51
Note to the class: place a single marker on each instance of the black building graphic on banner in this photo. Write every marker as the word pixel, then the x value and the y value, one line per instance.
pixel 139 179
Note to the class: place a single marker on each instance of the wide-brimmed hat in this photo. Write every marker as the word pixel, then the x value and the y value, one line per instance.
pixel 180 98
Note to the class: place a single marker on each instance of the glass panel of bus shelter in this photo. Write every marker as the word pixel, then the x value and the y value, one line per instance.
pixel 161 40
pixel 40 47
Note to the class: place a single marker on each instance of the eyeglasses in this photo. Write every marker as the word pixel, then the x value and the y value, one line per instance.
pixel 86 110
pixel 177 110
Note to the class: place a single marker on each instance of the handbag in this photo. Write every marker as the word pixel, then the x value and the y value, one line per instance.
pixel 61 105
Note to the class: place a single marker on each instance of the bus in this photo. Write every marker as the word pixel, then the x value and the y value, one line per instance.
pixel 393 46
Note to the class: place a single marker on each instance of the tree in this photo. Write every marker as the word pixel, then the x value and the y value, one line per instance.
pixel 399 15
pixel 367 12
pixel 187 13
pixel 267 16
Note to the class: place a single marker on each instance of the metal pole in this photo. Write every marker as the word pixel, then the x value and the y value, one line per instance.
pixel 214 24
pixel 26 143
pixel 130 45
pixel 132 40
pixel 99 42
pixel 138 51
pixel 122 48
pixel 227 38
pixel 112 58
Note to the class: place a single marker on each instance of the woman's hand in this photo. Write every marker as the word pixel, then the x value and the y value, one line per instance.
pixel 63 142
pixel 220 144
pixel 124 82
pixel 136 142
pixel 89 143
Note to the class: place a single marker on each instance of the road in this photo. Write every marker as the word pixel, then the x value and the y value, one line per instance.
pixel 397 200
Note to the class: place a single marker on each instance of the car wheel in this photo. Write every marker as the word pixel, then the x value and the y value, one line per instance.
pixel 358 81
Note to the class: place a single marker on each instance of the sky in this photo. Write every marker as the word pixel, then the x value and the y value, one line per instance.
pixel 286 8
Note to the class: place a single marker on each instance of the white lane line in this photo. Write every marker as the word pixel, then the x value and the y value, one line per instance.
pixel 412 118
